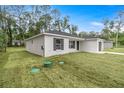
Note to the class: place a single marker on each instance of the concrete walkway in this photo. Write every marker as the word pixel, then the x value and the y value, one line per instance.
pixel 116 53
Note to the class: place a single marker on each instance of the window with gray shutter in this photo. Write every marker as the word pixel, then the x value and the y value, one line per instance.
pixel 72 44
pixel 58 44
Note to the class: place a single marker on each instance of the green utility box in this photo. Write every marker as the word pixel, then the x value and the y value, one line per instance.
pixel 48 64
pixel 61 62
pixel 35 70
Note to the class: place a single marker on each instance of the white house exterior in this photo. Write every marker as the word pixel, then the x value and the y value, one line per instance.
pixel 55 43
pixel 33 45
pixel 92 45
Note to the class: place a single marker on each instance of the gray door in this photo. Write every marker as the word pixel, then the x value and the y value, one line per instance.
pixel 77 45
pixel 100 46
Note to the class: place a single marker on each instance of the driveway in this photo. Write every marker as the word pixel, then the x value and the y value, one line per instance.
pixel 116 53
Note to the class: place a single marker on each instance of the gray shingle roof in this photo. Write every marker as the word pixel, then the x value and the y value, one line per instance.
pixel 55 32
pixel 62 33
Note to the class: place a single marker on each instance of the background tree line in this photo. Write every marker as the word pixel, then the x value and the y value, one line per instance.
pixel 113 30
pixel 20 22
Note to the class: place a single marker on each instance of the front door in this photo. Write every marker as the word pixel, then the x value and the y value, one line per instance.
pixel 77 45
pixel 100 46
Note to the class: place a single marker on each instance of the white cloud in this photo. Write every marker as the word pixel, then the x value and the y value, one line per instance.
pixel 96 24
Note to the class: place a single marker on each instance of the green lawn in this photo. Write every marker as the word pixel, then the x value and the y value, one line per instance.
pixel 119 50
pixel 79 70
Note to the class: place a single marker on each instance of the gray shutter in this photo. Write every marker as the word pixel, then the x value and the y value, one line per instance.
pixel 69 44
pixel 74 44
pixel 54 44
pixel 62 44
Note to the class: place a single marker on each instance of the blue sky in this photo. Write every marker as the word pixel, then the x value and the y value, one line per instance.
pixel 89 17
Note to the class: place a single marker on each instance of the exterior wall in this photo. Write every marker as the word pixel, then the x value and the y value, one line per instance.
pixel 35 45
pixel 88 46
pixel 43 45
pixel 108 44
pixel 91 45
pixel 49 51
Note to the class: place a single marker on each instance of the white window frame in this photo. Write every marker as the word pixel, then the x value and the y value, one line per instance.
pixel 59 46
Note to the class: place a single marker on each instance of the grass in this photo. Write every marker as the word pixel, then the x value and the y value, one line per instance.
pixel 79 70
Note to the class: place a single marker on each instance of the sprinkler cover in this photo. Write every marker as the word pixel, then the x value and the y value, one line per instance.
pixel 35 70
pixel 47 64
pixel 61 62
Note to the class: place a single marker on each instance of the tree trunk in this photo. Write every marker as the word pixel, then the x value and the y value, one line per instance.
pixel 23 39
pixel 59 27
pixel 10 37
pixel 10 41
pixel 116 40
pixel 5 41
pixel 5 46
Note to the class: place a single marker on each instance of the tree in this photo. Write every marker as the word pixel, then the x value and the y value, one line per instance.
pixel 73 29
pixel 42 18
pixel 3 32
pixel 7 23
pixel 106 32
pixel 83 34
pixel 20 22
pixel 121 38
pixel 44 23
pixel 65 23
pixel 119 23
pixel 10 30
pixel 18 12
pixel 92 34
pixel 3 39
pixel 56 25
pixel 26 22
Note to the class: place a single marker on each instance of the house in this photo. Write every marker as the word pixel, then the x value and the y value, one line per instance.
pixel 55 43
pixel 17 42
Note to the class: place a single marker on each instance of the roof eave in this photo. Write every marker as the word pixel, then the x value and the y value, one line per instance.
pixel 34 36
pixel 45 33
pixel 78 38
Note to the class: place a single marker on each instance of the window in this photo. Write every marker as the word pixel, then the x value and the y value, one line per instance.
pixel 58 44
pixel 71 44
pixel 42 48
